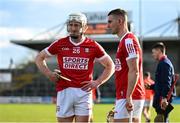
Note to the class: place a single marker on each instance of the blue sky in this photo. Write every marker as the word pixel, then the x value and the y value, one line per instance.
pixel 22 19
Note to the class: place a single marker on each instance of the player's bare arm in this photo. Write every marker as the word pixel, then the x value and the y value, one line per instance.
pixel 41 64
pixel 133 75
pixel 107 73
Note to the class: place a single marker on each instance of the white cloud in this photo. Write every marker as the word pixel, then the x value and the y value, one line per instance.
pixel 9 50
pixel 4 44
pixel 6 34
pixel 24 33
pixel 18 53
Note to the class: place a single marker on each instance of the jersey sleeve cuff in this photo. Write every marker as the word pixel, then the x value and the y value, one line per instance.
pixel 102 57
pixel 46 50
pixel 132 56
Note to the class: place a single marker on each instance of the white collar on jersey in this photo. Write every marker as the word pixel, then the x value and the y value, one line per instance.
pixel 76 44
pixel 124 35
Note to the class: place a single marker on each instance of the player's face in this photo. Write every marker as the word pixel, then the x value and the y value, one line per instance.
pixel 156 53
pixel 113 24
pixel 74 29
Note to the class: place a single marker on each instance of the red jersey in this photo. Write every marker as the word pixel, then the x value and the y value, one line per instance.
pixel 75 60
pixel 128 48
pixel 148 92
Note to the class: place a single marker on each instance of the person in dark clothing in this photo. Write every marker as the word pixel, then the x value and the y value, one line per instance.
pixel 164 77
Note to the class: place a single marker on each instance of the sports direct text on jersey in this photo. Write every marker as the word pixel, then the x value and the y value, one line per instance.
pixel 78 63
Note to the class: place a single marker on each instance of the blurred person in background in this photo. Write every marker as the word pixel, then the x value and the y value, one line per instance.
pixel 148 96
pixel 164 77
pixel 75 56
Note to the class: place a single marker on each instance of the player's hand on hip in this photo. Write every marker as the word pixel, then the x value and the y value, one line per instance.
pixel 89 85
pixel 164 103
pixel 129 104
pixel 53 76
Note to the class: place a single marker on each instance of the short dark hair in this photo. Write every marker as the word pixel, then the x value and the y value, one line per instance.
pixel 118 12
pixel 160 46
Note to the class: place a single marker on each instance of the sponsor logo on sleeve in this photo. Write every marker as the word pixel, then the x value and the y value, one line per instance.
pixel 130 47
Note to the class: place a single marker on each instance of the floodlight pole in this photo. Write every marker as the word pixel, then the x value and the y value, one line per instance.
pixel 140 23
pixel 178 22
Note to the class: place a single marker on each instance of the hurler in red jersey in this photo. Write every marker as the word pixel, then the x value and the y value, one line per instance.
pixel 76 55
pixel 128 70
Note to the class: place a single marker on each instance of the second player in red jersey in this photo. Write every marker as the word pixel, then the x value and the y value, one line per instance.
pixel 128 70
pixel 128 48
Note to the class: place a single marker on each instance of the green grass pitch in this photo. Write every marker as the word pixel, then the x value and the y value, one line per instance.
pixel 46 113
